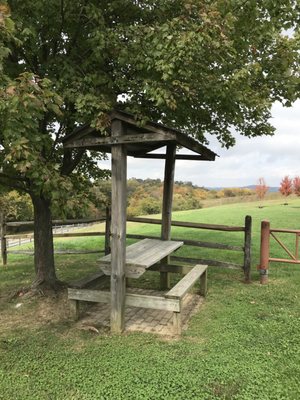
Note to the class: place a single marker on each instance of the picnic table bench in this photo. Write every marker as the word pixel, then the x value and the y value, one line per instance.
pixel 141 256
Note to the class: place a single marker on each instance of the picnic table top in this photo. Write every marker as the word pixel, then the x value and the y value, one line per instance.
pixel 145 253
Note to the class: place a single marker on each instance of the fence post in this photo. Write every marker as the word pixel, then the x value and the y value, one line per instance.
pixel 247 248
pixel 107 231
pixel 264 252
pixel 3 239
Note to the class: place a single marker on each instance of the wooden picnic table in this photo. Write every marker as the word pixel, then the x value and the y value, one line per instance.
pixel 142 255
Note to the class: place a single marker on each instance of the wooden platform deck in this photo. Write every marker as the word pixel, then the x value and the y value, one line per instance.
pixel 142 255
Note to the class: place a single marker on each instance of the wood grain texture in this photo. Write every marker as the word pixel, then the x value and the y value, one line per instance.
pixel 142 255
pixel 143 138
pixel 157 156
pixel 247 248
pixel 74 309
pixel 167 207
pixel 195 243
pixel 131 300
pixel 213 263
pixel 177 326
pixel 96 296
pixel 118 230
pixel 203 284
pixel 183 286
pixel 196 225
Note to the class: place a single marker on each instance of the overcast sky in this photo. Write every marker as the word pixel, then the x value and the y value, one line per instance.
pixel 268 157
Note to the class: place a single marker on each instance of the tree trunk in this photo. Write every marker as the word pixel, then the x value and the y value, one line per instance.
pixel 43 245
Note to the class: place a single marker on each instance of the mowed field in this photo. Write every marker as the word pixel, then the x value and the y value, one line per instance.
pixel 244 343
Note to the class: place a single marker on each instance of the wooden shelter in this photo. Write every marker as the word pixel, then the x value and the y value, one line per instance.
pixel 128 138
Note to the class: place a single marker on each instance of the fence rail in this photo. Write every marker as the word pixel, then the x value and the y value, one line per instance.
pixel 245 248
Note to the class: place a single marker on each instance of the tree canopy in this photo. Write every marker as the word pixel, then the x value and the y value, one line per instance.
pixel 202 66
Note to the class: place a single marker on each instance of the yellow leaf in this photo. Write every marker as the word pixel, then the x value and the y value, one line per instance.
pixel 11 90
pixel 4 10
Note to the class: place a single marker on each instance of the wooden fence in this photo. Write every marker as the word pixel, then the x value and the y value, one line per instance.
pixel 8 233
pixel 245 246
pixel 266 233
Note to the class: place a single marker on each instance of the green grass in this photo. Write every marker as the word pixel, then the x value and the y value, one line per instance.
pixel 244 343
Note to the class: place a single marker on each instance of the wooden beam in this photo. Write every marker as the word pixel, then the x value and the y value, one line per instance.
pixel 125 139
pixel 212 227
pixel 56 222
pixel 196 243
pixel 96 296
pixel 56 235
pixel 212 263
pixel 77 234
pixel 132 300
pixel 167 206
pixel 153 302
pixel 118 231
pixel 173 268
pixel 158 156
pixel 191 144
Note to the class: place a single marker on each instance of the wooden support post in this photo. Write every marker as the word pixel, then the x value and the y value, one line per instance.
pixel 107 231
pixel 247 248
pixel 264 252
pixel 167 207
pixel 118 230
pixel 177 323
pixel 3 239
pixel 74 309
pixel 203 284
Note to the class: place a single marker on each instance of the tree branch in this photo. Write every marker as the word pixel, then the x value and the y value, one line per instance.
pixel 69 163
pixel 13 185
pixel 79 27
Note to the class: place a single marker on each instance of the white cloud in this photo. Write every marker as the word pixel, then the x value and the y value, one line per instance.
pixel 269 157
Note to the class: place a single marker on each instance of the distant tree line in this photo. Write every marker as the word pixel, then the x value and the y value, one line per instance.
pixel 144 197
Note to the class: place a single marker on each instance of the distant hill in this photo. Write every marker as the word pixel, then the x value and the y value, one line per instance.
pixel 272 189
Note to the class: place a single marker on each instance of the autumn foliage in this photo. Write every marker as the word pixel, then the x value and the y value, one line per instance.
pixel 261 189
pixel 296 185
pixel 286 186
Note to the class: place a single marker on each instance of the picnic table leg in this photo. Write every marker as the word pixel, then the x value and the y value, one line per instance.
pixel 74 309
pixel 177 323
pixel 165 276
pixel 203 284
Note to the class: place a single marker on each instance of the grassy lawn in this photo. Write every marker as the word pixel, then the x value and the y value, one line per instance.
pixel 244 343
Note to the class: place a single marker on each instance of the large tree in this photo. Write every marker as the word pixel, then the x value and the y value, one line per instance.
pixel 201 66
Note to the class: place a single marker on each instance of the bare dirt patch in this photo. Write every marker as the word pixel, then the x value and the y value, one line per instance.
pixel 32 312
